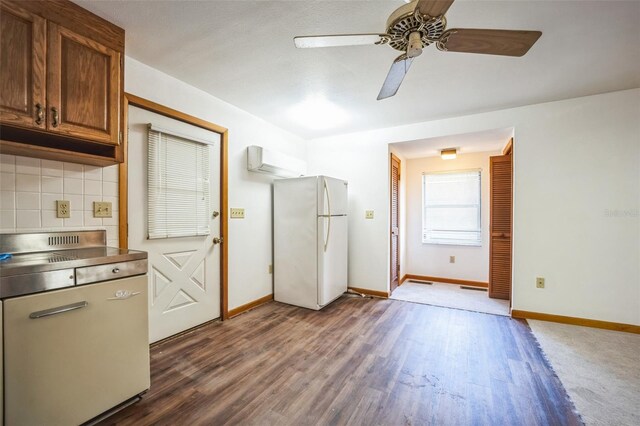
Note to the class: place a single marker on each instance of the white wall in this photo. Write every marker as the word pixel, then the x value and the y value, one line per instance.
pixel 472 263
pixel 577 198
pixel 366 167
pixel 250 242
pixel 29 188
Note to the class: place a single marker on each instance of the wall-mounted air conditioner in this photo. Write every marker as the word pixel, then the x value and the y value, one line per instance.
pixel 263 160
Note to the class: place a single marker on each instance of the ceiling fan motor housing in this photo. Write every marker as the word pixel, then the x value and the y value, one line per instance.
pixel 405 20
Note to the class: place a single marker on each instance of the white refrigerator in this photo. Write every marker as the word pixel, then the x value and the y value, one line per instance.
pixel 310 240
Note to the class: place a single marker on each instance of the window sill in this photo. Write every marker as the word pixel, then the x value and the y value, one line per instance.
pixel 453 243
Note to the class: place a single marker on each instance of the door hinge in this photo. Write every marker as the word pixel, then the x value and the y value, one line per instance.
pixel 120 136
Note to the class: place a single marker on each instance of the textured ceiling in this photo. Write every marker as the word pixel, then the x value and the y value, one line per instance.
pixel 242 52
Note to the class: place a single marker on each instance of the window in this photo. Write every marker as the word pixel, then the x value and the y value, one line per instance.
pixel 178 186
pixel 451 208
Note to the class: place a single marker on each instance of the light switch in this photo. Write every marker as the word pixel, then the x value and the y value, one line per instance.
pixel 368 214
pixel 237 213
pixel 102 209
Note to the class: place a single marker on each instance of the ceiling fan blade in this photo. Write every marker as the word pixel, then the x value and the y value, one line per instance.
pixel 396 74
pixel 490 42
pixel 433 8
pixel 339 40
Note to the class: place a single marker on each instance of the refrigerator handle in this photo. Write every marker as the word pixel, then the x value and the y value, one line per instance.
pixel 326 190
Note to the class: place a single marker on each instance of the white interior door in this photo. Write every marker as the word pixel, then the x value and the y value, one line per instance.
pixel 184 272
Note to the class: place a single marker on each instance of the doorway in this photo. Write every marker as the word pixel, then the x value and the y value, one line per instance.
pixel 457 221
pixel 395 223
pixel 501 224
pixel 187 269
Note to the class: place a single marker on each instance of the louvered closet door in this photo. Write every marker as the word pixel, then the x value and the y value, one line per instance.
pixel 395 218
pixel 501 178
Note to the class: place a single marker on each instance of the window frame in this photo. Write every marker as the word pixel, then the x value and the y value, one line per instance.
pixel 451 241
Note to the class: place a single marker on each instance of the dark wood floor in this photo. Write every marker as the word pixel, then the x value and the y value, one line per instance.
pixel 358 361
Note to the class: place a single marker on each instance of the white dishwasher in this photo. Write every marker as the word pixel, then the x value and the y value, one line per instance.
pixel 71 354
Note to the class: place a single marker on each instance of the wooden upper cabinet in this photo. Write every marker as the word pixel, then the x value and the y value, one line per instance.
pixel 61 82
pixel 22 67
pixel 83 86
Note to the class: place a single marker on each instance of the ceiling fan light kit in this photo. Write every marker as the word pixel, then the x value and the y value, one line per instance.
pixel 420 23
pixel 414 48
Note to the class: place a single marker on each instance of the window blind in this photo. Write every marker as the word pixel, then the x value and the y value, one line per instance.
pixel 178 186
pixel 451 208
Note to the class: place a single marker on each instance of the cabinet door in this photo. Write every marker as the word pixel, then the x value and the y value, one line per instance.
pixel 1 375
pixel 22 67
pixel 83 86
pixel 72 354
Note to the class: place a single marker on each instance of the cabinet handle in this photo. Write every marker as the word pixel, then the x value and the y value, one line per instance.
pixel 54 111
pixel 39 114
pixel 58 310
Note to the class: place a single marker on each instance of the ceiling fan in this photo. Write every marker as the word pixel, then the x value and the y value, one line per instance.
pixel 414 26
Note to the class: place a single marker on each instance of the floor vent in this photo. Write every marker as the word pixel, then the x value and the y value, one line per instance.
pixel 465 287
pixel 420 282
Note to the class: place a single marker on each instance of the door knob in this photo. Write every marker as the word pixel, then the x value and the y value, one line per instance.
pixel 217 240
pixel 216 214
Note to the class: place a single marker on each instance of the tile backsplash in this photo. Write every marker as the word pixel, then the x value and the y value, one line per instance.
pixel 29 188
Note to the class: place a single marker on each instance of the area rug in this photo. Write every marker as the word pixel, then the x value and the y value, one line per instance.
pixel 450 296
pixel 600 369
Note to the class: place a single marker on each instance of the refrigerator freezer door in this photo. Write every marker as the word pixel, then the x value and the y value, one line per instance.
pixel 332 196
pixel 295 240
pixel 332 258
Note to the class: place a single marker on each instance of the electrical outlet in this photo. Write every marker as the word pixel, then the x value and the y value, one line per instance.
pixel 63 208
pixel 540 282
pixel 237 214
pixel 271 269
pixel 452 259
pixel 102 209
pixel 368 214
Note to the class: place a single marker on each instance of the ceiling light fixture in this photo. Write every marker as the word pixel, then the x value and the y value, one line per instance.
pixel 318 113
pixel 448 154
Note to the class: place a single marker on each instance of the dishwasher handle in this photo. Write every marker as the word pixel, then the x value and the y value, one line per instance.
pixel 58 310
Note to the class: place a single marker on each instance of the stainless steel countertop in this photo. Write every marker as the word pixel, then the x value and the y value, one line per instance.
pixel 29 263
pixel 44 261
